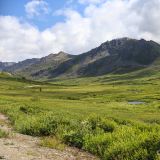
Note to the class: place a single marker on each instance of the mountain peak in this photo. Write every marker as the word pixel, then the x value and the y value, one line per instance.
pixel 116 42
pixel 118 55
pixel 62 53
pixel 122 39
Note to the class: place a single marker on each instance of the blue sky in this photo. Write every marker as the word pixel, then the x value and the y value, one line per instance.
pixel 17 8
pixel 36 28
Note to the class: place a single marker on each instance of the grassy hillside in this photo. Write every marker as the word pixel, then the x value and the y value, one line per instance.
pixel 115 116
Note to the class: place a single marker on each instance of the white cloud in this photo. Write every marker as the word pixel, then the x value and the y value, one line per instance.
pixel 18 40
pixel 91 1
pixel 79 33
pixel 36 8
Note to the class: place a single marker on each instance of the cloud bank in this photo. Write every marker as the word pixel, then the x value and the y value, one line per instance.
pixel 101 20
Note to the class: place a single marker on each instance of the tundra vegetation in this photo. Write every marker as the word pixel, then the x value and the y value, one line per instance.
pixel 93 114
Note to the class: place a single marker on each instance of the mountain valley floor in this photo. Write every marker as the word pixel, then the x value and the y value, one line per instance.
pixel 93 114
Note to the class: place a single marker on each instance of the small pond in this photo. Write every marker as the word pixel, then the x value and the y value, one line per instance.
pixel 136 102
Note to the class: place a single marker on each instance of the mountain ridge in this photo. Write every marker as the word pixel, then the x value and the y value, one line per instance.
pixel 3 65
pixel 118 55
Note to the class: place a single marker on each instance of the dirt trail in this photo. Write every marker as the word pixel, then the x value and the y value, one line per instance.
pixel 23 147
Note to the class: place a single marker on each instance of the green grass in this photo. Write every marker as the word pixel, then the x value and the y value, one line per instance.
pixel 52 142
pixel 90 113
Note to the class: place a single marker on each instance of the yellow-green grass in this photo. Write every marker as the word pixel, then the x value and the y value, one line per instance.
pixel 87 112
pixel 52 142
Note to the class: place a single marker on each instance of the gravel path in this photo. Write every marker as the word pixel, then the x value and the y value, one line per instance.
pixel 22 147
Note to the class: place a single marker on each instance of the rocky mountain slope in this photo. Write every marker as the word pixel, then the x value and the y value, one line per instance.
pixel 38 67
pixel 4 65
pixel 119 55
pixel 21 65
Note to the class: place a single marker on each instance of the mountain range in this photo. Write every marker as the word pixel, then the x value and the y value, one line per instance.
pixel 116 56
pixel 4 65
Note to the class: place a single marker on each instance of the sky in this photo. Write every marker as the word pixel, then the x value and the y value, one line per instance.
pixel 36 28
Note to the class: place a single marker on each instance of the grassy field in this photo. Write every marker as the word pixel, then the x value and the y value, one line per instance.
pixel 96 114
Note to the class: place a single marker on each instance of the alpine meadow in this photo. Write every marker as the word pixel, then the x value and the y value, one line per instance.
pixel 101 103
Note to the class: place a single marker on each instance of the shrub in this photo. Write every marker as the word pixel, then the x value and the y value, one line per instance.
pixel 40 125
pixel 110 139
pixel 74 138
pixel 29 109
pixel 103 123
pixel 107 125
pixel 131 143
pixel 97 144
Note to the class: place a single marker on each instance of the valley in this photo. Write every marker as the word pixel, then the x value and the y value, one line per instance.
pixel 93 113
pixel 80 79
pixel 105 102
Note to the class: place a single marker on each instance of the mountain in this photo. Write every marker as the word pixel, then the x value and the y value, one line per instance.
pixel 38 68
pixel 3 65
pixel 15 67
pixel 115 56
pixel 119 55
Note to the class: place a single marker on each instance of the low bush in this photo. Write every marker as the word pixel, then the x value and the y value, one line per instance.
pixel 103 123
pixel 29 109
pixel 97 144
pixel 131 143
pixel 40 125
pixel 74 138
pixel 110 139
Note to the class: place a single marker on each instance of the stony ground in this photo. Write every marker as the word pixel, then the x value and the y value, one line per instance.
pixel 22 147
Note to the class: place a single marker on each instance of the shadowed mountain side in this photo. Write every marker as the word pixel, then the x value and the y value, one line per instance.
pixel 21 65
pixel 4 65
pixel 119 55
pixel 41 66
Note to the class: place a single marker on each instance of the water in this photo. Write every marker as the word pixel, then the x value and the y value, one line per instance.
pixel 136 102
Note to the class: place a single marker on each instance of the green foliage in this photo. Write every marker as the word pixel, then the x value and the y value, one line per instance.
pixel 97 144
pixel 52 142
pixel 131 143
pixel 30 109
pixel 105 124
pixel 74 138
pixel 35 99
pixel 40 125
pixel 127 142
pixel 89 113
